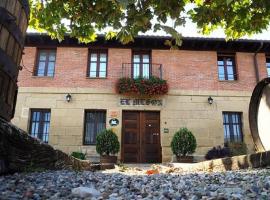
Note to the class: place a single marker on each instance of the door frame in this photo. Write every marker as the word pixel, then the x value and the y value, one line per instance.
pixel 122 132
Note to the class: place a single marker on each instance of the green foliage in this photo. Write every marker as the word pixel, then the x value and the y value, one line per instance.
pixel 237 18
pixel 124 19
pixel 79 155
pixel 183 142
pixel 107 143
pixel 142 86
pixel 237 148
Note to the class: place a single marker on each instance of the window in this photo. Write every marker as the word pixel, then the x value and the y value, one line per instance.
pixel 95 122
pixel 268 66
pixel 97 64
pixel 232 127
pixel 40 124
pixel 141 64
pixel 45 63
pixel 226 67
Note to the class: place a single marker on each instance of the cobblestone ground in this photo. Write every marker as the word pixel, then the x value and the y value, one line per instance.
pixel 137 183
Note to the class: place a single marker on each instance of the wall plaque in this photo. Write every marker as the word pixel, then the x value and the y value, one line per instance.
pixel 114 122
pixel 165 130
pixel 114 114
pixel 140 102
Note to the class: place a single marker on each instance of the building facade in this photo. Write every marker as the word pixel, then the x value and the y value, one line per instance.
pixel 68 93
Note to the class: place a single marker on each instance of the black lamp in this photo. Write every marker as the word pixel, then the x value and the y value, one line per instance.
pixel 210 100
pixel 68 97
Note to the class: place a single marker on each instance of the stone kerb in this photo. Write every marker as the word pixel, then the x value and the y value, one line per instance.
pixel 256 160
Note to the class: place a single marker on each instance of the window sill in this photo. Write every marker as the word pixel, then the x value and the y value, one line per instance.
pixel 87 145
pixel 226 81
pixel 45 77
pixel 96 77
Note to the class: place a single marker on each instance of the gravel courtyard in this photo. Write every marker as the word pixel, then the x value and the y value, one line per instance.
pixel 135 183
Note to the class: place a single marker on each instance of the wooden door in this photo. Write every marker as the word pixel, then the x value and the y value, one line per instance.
pixel 141 137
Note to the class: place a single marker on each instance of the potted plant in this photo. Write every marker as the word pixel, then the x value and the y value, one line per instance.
pixel 183 144
pixel 79 155
pixel 107 146
pixel 153 86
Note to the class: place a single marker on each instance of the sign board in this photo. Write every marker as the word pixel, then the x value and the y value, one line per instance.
pixel 166 130
pixel 114 122
pixel 140 102
pixel 114 114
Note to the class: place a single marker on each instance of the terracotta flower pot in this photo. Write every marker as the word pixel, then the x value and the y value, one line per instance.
pixel 108 162
pixel 184 159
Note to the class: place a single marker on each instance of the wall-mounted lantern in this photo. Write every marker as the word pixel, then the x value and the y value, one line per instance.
pixel 210 100
pixel 68 97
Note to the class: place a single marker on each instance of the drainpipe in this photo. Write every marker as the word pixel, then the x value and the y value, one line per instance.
pixel 256 62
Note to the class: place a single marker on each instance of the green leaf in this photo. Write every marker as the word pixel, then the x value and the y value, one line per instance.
pixel 229 1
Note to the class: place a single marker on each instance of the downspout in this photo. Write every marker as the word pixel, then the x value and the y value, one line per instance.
pixel 256 62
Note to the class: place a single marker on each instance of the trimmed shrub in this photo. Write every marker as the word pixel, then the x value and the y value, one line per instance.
pixel 183 143
pixel 218 152
pixel 107 143
pixel 79 155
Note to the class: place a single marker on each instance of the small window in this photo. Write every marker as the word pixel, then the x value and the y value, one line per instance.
pixel 141 65
pixel 226 68
pixel 97 64
pixel 95 122
pixel 40 124
pixel 45 63
pixel 268 66
pixel 232 125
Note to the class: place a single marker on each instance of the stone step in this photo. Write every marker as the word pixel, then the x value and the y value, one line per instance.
pixel 93 159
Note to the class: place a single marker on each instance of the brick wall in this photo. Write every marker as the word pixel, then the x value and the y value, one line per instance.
pixel 184 70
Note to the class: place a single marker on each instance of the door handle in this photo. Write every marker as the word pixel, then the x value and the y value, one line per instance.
pixel 155 133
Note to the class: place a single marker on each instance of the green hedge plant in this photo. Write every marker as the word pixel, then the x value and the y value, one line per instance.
pixel 107 143
pixel 79 155
pixel 183 143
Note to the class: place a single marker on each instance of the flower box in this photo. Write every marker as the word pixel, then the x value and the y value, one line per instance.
pixel 153 86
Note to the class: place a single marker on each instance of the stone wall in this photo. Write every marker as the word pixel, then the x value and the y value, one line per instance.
pixel 181 109
pixel 20 152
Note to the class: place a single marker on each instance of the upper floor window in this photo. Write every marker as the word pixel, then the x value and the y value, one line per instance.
pixel 232 125
pixel 141 66
pixel 226 67
pixel 45 63
pixel 98 61
pixel 40 124
pixel 268 66
pixel 94 123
